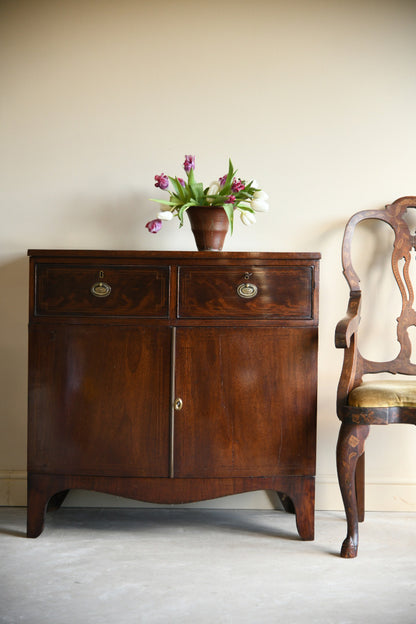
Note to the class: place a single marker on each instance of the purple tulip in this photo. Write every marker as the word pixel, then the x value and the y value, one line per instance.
pixel 162 181
pixel 189 163
pixel 154 226
pixel 181 182
pixel 238 185
pixel 231 199
pixel 223 179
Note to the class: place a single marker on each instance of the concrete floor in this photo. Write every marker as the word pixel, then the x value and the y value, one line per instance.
pixel 190 566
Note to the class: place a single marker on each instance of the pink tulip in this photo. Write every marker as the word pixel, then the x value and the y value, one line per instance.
pixel 238 185
pixel 162 181
pixel 154 226
pixel 231 199
pixel 189 163
pixel 181 182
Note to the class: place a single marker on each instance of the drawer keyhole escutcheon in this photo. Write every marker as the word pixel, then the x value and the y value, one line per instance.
pixel 100 289
pixel 178 404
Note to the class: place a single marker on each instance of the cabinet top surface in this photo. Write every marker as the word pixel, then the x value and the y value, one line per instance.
pixel 172 255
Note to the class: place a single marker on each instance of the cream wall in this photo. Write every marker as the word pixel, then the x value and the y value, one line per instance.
pixel 316 99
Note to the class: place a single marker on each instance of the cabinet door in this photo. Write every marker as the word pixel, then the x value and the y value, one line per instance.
pixel 249 401
pixel 99 400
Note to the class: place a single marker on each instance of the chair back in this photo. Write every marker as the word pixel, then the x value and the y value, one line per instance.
pixel 404 243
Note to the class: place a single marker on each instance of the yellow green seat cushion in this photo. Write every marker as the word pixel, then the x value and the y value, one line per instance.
pixel 384 393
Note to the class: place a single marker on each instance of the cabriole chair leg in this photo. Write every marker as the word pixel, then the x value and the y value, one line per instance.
pixel 350 447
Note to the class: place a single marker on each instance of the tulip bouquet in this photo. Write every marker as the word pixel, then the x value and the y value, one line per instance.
pixel 228 191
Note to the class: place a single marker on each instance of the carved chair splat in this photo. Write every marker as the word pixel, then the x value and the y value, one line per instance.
pixel 364 403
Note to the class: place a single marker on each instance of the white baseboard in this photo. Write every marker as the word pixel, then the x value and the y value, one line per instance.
pixel 13 488
pixel 383 495
pixel 380 495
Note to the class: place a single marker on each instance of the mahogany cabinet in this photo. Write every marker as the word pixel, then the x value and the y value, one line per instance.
pixel 172 377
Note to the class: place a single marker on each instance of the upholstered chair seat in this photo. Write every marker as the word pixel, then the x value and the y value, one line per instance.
pixel 384 393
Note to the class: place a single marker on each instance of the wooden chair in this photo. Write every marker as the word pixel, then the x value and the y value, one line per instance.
pixel 382 402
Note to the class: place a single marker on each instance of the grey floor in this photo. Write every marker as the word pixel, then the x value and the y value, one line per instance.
pixel 122 566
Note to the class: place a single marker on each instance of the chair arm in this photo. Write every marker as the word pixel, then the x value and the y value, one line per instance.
pixel 348 326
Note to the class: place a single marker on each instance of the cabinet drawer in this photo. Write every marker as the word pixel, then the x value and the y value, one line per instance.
pixel 75 290
pixel 238 292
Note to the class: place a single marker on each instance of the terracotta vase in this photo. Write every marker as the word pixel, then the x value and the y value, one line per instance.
pixel 209 225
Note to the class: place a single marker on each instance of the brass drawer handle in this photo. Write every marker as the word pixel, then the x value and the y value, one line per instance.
pixel 178 404
pixel 247 291
pixel 100 289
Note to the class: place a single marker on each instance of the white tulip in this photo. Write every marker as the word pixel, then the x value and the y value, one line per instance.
pixel 214 188
pixel 248 218
pixel 165 215
pixel 261 195
pixel 259 205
